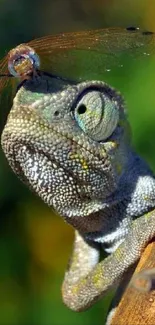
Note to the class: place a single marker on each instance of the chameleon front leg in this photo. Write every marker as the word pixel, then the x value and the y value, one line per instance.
pixel 87 280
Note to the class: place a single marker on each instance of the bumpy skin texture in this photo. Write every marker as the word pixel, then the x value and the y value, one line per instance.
pixel 70 143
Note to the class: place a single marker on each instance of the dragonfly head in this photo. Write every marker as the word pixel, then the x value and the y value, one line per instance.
pixel 23 62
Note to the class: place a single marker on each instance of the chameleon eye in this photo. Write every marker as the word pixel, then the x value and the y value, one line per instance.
pixel 97 115
pixel 23 61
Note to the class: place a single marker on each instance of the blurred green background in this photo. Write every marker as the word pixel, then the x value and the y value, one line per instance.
pixel 34 242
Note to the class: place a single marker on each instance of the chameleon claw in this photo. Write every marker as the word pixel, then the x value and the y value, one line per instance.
pixel 144 281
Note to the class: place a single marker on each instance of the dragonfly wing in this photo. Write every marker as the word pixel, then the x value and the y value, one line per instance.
pixel 91 54
pixel 83 55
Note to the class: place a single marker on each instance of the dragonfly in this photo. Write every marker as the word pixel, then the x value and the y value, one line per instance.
pixel 75 56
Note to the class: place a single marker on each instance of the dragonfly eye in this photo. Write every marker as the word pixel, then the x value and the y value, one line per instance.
pixel 23 64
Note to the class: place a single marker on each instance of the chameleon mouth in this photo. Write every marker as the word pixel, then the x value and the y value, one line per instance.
pixel 56 160
pixel 56 186
pixel 41 168
pixel 52 176
pixel 72 152
pixel 65 170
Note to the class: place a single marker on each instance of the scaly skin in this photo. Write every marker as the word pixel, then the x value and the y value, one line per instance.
pixel 70 143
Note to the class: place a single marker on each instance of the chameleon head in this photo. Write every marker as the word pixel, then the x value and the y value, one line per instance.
pixel 23 61
pixel 67 141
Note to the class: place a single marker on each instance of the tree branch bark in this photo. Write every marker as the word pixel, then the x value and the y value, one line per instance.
pixel 137 307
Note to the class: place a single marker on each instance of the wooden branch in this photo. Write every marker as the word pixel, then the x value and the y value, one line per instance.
pixel 138 307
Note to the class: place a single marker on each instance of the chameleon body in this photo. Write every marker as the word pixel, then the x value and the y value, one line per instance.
pixel 70 142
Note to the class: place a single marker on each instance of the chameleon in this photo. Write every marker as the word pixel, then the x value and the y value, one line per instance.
pixel 70 142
